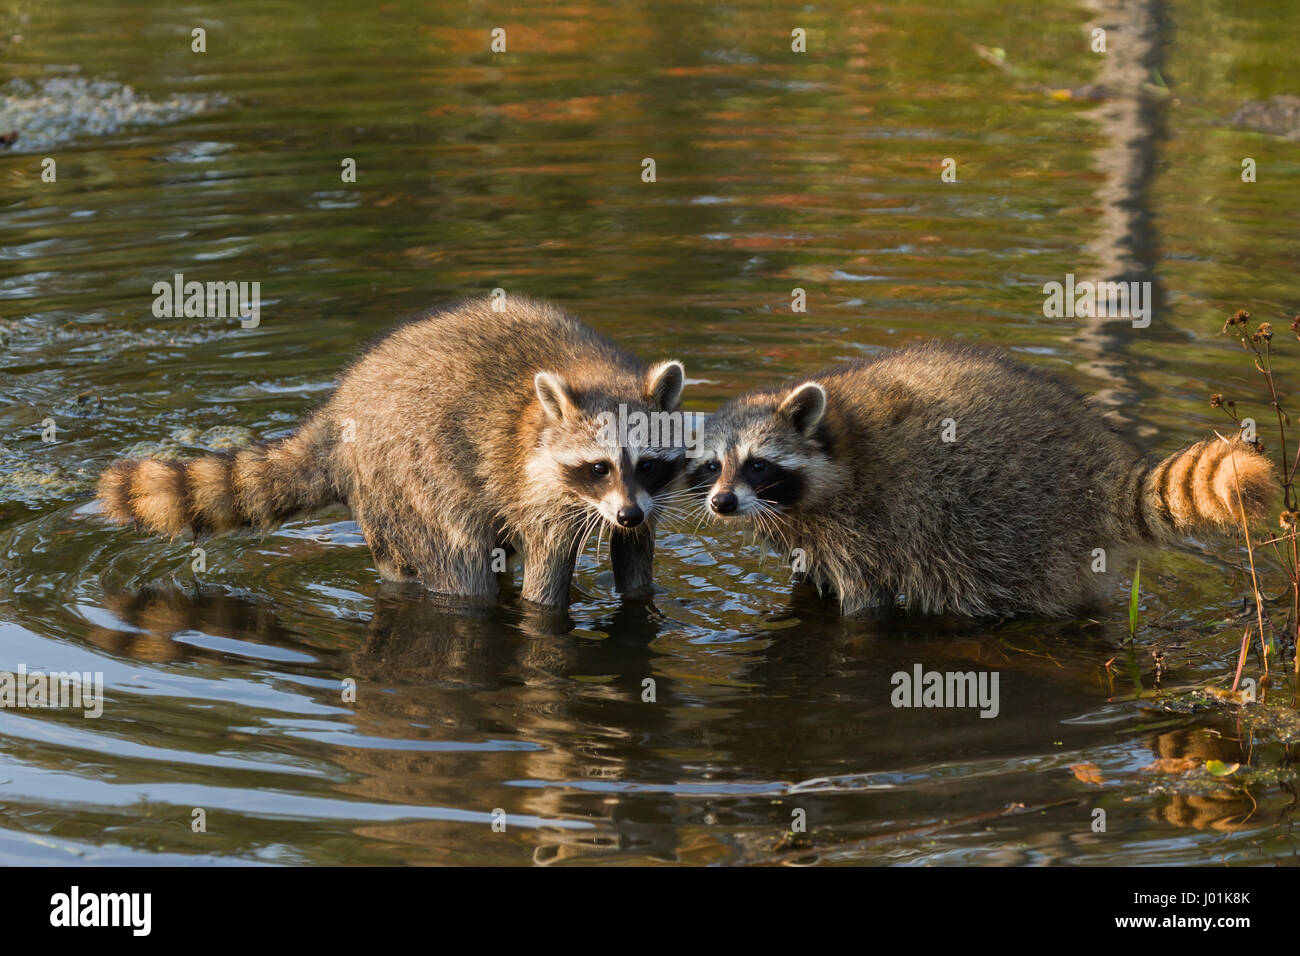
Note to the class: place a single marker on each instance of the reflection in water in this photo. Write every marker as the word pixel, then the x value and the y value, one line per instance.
pixel 776 171
pixel 1131 117
pixel 450 699
pixel 1221 808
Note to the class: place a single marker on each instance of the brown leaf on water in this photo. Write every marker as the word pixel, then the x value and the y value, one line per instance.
pixel 1087 772
pixel 1172 765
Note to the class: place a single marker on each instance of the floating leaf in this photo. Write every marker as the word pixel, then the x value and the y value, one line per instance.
pixel 1221 769
pixel 1087 772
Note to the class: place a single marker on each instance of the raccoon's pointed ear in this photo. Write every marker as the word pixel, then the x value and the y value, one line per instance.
pixel 663 384
pixel 553 394
pixel 804 407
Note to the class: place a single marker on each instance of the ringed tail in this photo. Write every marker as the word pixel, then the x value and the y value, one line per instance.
pixel 256 487
pixel 1205 488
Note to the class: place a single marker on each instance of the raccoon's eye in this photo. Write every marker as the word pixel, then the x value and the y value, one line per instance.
pixel 600 469
pixel 647 465
pixel 712 466
pixel 758 466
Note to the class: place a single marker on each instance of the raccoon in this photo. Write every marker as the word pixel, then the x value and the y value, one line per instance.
pixel 965 482
pixel 457 434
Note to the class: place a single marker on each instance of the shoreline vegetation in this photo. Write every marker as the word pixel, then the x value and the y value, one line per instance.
pixel 1274 640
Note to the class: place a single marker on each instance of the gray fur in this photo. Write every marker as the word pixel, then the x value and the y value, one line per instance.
pixel 1003 520
pixel 455 435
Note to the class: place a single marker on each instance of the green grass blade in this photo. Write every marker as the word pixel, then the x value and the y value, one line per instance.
pixel 1133 603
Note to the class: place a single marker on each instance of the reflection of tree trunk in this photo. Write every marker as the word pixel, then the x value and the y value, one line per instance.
pixel 1131 116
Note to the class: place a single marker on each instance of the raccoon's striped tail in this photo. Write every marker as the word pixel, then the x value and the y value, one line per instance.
pixel 1205 488
pixel 260 486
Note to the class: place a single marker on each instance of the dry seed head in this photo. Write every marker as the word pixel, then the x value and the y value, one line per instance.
pixel 1237 318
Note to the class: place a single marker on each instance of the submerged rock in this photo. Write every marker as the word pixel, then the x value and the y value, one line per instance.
pixel 34 483
pixel 1279 115
pixel 225 437
pixel 190 442
pixel 38 116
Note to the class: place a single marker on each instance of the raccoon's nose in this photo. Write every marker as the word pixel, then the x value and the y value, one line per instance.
pixel 630 516
pixel 724 502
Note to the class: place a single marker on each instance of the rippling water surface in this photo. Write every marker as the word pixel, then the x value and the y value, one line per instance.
pixel 774 170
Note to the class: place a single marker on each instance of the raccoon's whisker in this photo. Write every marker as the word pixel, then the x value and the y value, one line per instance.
pixel 767 518
pixel 704 516
pixel 689 504
pixel 578 527
pixel 670 496
pixel 588 525
pixel 571 516
pixel 604 526
pixel 674 512
pixel 675 497
pixel 775 523
pixel 594 526
pixel 669 502
pixel 572 527
pixel 760 542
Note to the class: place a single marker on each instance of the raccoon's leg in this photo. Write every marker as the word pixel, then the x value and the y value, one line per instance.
pixel 857 603
pixel 548 568
pixel 466 568
pixel 514 559
pixel 858 596
pixel 632 553
pixel 817 579
pixel 456 561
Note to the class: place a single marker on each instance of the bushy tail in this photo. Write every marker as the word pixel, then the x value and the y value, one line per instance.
pixel 1204 488
pixel 260 486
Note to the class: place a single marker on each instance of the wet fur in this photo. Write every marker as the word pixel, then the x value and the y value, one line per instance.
pixel 456 434
pixel 1002 521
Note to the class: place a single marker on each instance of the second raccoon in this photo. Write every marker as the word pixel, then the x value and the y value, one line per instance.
pixel 459 434
pixel 964 481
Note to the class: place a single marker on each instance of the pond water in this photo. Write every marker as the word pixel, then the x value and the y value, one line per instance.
pixel 522 170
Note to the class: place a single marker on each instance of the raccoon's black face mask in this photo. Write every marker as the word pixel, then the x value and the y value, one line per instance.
pixel 617 455
pixel 756 484
pixel 760 459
